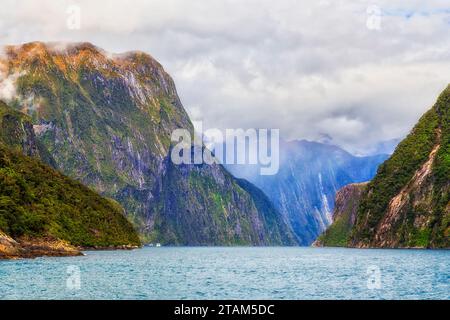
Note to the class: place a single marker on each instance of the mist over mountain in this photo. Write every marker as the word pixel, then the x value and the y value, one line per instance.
pixel 309 176
pixel 107 121
pixel 384 147
pixel 407 203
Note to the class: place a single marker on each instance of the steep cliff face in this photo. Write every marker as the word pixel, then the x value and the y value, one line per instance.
pixel 43 212
pixel 107 121
pixel 304 188
pixel 407 203
pixel 16 131
pixel 203 204
pixel 344 216
pixel 271 216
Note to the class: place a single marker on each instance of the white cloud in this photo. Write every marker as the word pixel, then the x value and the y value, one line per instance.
pixel 7 84
pixel 7 89
pixel 307 67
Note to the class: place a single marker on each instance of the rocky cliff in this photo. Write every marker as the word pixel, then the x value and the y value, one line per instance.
pixel 344 216
pixel 407 203
pixel 107 120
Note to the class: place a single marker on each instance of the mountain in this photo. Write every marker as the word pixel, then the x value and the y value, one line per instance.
pixel 229 214
pixel 304 188
pixel 407 203
pixel 107 121
pixel 279 231
pixel 43 212
pixel 344 216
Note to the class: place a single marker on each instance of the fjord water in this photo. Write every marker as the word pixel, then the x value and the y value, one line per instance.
pixel 232 273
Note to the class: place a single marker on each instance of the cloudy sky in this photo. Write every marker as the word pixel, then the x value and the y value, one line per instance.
pixel 357 71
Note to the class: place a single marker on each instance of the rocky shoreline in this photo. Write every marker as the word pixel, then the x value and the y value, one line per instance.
pixel 107 248
pixel 27 248
pixel 32 248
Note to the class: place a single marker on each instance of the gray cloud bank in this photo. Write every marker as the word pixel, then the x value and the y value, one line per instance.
pixel 311 68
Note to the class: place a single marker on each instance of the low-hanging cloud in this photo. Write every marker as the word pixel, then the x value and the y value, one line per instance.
pixel 310 68
pixel 7 89
pixel 7 84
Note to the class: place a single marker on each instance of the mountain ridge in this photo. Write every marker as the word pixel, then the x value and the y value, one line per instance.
pixel 407 204
pixel 107 121
pixel 310 175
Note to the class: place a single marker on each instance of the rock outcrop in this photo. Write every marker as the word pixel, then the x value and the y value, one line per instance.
pixel 35 247
pixel 344 216
pixel 9 248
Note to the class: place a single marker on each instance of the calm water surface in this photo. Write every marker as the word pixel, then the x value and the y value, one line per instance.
pixel 232 273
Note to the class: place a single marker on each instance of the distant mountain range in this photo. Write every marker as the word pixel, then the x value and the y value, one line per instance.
pixel 407 204
pixel 304 188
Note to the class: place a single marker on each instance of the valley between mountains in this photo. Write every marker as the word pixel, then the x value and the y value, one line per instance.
pixel 85 163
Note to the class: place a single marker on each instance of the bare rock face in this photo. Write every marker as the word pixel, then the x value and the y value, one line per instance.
pixel 347 200
pixel 9 248
pixel 344 216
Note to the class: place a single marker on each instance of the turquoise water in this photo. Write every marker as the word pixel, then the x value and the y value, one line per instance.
pixel 231 273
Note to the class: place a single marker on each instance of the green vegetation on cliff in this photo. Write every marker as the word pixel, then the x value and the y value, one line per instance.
pixel 278 231
pixel 215 209
pixel 16 131
pixel 107 120
pixel 36 201
pixel 407 203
